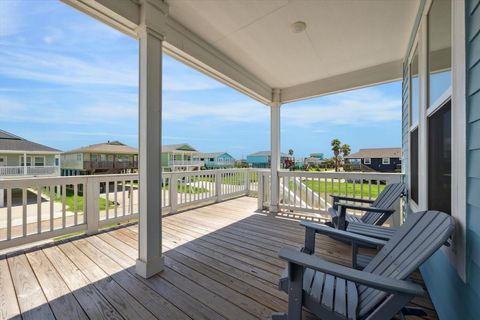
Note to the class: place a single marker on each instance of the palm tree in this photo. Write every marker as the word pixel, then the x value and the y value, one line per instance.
pixel 290 152
pixel 346 150
pixel 336 151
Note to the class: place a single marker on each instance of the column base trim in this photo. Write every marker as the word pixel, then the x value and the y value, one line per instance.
pixel 274 209
pixel 150 268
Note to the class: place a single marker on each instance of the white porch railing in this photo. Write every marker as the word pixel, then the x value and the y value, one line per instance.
pixel 310 191
pixel 13 171
pixel 41 208
pixel 185 163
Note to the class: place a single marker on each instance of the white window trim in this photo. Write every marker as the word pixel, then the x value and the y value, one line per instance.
pixel 367 162
pixel 20 160
pixel 457 92
pixel 33 162
pixel 386 162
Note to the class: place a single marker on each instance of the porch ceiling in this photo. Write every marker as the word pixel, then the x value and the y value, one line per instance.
pixel 250 46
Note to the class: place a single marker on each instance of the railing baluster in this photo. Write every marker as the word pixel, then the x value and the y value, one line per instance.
pixel 52 207
pixel 115 186
pixel 24 212
pixel 64 209
pixel 9 213
pixel 39 210
pixel 75 204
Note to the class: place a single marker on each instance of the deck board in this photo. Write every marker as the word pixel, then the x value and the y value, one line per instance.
pixel 221 262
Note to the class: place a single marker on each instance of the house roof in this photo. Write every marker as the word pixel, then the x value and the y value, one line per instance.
pixel 265 153
pixel 10 142
pixel 177 147
pixel 211 154
pixel 376 153
pixel 106 147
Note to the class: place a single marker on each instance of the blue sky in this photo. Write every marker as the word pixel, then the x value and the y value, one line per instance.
pixel 67 80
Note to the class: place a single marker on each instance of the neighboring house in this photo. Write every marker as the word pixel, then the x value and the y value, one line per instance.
pixel 376 159
pixel 262 159
pixel 180 157
pixel 20 158
pixel 315 160
pixel 215 160
pixel 40 159
pixel 101 158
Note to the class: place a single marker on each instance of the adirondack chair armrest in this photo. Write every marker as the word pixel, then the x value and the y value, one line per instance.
pixel 372 209
pixel 375 281
pixel 337 198
pixel 345 235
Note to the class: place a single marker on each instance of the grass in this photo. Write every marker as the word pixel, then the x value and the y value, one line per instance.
pixel 344 188
pixel 187 189
pixel 70 201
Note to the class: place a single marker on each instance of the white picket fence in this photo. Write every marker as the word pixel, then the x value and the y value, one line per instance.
pixel 35 209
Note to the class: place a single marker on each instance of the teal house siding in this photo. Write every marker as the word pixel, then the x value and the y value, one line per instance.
pixel 258 161
pixel 453 298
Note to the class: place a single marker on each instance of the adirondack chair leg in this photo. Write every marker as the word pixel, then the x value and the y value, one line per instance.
pixel 390 307
pixel 309 241
pixel 295 291
pixel 279 316
pixel 354 255
pixel 341 218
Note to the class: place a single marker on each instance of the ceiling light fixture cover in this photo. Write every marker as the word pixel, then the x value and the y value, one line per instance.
pixel 298 26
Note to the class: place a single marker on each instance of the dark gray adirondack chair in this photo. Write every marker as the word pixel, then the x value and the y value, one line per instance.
pixel 381 290
pixel 378 211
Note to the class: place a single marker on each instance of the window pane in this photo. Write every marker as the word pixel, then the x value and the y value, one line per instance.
pixel 439 49
pixel 414 165
pixel 414 89
pixel 39 162
pixel 440 159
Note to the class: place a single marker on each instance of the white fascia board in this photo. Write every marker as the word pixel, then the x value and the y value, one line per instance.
pixel 383 73
pixel 180 43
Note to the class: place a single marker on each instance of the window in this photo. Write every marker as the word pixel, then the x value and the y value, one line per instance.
pixel 385 160
pixel 3 161
pixel 29 161
pixel 39 161
pixel 212 159
pixel 79 157
pixel 414 165
pixel 367 161
pixel 439 51
pixel 414 89
pixel 440 160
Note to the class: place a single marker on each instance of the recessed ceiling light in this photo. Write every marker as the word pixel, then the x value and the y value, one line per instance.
pixel 298 26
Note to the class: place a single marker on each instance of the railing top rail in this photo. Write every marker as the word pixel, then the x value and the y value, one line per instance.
pixel 327 174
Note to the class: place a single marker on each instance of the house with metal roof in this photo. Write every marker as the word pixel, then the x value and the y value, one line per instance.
pixel 100 158
pixel 375 159
pixel 21 157
pixel 179 157
pixel 262 159
pixel 215 160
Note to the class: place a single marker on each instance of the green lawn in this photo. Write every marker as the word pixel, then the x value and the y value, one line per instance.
pixel 70 201
pixel 187 189
pixel 345 188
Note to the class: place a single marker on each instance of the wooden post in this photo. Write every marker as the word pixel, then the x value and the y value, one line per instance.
pixel 173 188
pixel 260 191
pixel 218 186
pixel 91 201
pixel 150 260
pixel 275 150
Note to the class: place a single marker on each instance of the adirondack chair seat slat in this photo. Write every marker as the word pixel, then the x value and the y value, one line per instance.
pixel 323 291
pixel 385 200
pixel 409 246
pixel 374 231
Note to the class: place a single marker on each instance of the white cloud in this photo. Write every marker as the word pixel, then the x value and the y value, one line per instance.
pixel 352 108
pixel 10 22
pixel 233 111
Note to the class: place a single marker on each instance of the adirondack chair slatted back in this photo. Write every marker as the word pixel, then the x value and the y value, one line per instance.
pixel 414 242
pixel 385 200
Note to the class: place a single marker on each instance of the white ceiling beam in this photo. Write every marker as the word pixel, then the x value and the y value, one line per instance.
pixel 378 74
pixel 180 43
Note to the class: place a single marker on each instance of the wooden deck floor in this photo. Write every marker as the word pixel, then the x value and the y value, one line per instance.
pixel 221 263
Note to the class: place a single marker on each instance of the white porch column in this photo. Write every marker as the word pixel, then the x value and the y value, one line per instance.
pixel 150 260
pixel 25 163
pixel 2 198
pixel 275 150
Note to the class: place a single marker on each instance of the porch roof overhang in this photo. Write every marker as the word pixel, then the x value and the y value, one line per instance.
pixel 250 45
